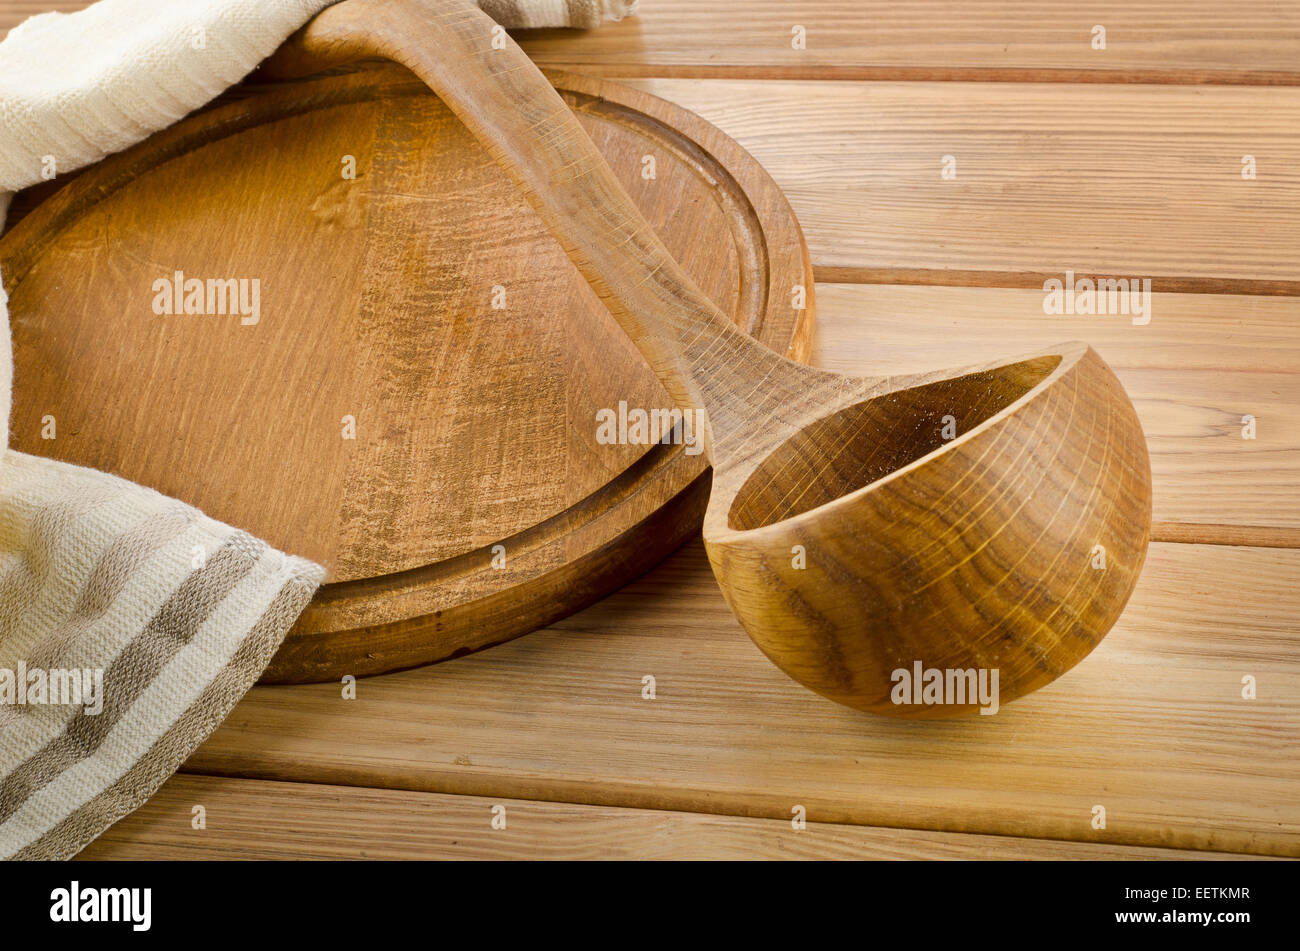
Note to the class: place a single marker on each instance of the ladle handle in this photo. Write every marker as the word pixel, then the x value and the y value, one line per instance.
pixel 492 86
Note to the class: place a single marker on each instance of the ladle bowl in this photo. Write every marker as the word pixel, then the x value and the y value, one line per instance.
pixel 988 519
pixel 869 542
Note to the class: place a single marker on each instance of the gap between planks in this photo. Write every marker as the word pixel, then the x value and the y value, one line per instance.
pixel 945 277
pixel 262 819
pixel 939 74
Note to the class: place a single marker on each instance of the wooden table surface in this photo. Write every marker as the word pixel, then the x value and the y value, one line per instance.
pixel 1125 162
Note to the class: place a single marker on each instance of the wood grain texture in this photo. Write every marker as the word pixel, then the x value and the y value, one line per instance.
pixel 1042 40
pixel 1201 365
pixel 255 819
pixel 1202 41
pixel 948 525
pixel 857 525
pixel 1152 725
pixel 1124 181
pixel 475 426
pixel 1156 730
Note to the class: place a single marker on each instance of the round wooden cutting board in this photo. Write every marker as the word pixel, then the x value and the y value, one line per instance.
pixel 408 389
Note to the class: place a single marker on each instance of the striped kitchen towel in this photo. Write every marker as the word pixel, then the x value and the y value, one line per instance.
pixel 130 623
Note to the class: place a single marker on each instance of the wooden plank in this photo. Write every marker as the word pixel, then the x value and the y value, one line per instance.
pixel 1152 726
pixel 1124 181
pixel 1146 41
pixel 1255 41
pixel 1200 365
pixel 256 819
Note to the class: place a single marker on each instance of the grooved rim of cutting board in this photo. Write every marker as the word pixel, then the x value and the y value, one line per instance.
pixel 421 612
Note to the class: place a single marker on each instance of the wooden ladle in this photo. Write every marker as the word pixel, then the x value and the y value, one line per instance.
pixel 986 518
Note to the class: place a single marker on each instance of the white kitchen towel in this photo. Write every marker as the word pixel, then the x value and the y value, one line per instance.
pixel 143 618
